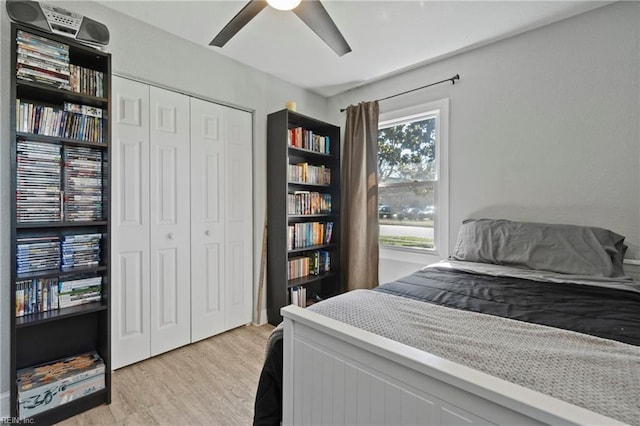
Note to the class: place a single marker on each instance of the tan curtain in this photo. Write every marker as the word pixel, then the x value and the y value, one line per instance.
pixel 360 197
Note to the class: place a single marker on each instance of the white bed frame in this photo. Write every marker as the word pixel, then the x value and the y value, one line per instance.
pixel 336 374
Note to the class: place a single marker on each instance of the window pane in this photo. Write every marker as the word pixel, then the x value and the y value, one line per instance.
pixel 407 152
pixel 406 214
pixel 406 176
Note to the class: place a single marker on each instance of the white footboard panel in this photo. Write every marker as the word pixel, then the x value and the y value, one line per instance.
pixel 336 374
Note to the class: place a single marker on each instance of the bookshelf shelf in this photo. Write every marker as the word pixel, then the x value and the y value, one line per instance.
pixel 37 319
pixel 309 279
pixel 60 224
pixel 300 146
pixel 310 248
pixel 58 140
pixel 310 216
pixel 54 225
pixel 58 273
pixel 309 185
pixel 306 153
pixel 45 94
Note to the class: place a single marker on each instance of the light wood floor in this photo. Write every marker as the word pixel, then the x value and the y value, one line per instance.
pixel 212 382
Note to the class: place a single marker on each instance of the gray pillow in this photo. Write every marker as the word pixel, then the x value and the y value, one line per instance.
pixel 567 249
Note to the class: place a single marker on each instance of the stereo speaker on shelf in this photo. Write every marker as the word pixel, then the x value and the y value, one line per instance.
pixel 57 20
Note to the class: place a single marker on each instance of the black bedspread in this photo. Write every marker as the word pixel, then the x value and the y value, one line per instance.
pixel 603 312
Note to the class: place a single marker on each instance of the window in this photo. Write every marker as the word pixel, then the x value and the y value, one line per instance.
pixel 411 190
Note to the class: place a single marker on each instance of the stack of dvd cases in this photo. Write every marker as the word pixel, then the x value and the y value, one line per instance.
pixel 84 123
pixel 35 254
pixel 42 61
pixel 38 185
pixel 80 251
pixel 79 290
pixel 35 296
pixel 83 184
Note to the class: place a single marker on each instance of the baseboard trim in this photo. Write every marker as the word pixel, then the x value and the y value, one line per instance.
pixel 263 318
pixel 4 405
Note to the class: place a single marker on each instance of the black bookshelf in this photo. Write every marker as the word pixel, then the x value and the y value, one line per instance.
pixel 280 154
pixel 47 336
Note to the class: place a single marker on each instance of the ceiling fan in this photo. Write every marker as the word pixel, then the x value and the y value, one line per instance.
pixel 311 12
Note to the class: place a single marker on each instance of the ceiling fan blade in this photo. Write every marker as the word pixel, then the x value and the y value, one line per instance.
pixel 241 19
pixel 313 13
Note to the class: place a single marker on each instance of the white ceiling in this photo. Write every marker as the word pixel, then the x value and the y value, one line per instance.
pixel 386 37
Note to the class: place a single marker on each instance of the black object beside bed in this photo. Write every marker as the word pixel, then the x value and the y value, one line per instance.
pixel 602 303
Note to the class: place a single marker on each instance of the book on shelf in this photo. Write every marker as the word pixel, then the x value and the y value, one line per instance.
pixel 299 296
pixel 320 262
pixel 306 139
pixel 313 262
pixel 307 173
pixel 298 267
pixel 49 385
pixel 308 202
pixel 328 233
pixel 72 121
pixel 307 234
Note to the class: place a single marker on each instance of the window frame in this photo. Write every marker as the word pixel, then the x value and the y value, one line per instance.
pixel 440 110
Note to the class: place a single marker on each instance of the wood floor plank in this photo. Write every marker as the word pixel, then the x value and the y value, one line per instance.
pixel 211 382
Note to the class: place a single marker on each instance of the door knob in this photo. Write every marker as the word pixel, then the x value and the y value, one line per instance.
pixel 170 235
pixel 207 232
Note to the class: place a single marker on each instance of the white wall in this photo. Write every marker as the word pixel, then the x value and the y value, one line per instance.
pixel 141 51
pixel 544 126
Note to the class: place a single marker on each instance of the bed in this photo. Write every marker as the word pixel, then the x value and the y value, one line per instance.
pixel 525 323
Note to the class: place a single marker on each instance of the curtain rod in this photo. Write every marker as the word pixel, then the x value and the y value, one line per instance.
pixel 452 80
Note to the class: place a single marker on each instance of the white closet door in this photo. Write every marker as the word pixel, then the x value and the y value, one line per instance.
pixel 207 220
pixel 130 231
pixel 238 218
pixel 169 224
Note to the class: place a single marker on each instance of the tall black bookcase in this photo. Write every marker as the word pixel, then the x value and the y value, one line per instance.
pixel 303 209
pixel 40 107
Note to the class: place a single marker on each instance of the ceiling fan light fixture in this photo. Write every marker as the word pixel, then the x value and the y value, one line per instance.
pixel 283 4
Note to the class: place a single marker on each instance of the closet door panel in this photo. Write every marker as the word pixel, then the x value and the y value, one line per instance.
pixel 169 220
pixel 207 220
pixel 239 218
pixel 130 231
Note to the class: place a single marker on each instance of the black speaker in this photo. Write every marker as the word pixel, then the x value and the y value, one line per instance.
pixel 27 12
pixel 57 20
pixel 93 31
